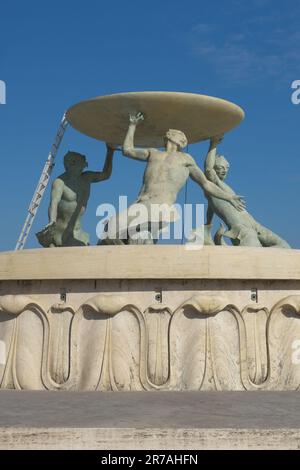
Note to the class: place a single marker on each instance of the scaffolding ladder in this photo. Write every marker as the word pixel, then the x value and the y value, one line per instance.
pixel 41 186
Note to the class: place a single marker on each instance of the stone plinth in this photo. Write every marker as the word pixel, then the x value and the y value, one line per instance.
pixel 150 318
pixel 153 420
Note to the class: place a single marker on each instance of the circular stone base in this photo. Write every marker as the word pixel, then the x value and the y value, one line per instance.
pixel 198 116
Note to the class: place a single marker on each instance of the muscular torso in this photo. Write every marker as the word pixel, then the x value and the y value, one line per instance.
pixel 164 176
pixel 76 192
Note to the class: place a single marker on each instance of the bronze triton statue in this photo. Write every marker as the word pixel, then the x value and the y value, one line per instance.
pixel 166 173
pixel 243 229
pixel 69 197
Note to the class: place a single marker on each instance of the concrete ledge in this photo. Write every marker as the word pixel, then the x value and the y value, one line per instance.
pixel 148 439
pixel 151 262
pixel 155 420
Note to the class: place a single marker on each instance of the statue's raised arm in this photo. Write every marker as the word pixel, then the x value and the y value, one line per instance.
pixel 129 149
pixel 105 174
pixel 210 160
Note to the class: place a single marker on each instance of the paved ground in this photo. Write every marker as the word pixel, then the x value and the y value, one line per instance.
pixel 165 420
pixel 150 409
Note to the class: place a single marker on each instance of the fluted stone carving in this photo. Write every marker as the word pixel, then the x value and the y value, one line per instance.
pixel 111 343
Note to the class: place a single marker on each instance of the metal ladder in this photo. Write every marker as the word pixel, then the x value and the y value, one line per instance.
pixel 41 186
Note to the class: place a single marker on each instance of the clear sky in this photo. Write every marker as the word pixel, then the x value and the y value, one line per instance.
pixel 56 53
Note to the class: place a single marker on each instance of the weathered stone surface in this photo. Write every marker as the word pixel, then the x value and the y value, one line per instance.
pixel 116 334
pixel 151 262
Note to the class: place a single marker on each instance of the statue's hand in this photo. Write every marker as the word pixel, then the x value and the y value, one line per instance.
pixel 217 139
pixel 136 118
pixel 111 147
pixel 238 202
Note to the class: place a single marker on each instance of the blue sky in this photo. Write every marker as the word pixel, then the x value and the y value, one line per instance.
pixel 54 54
